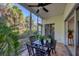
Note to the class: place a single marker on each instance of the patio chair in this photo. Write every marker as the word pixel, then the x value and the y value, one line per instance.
pixel 53 46
pixel 32 39
pixel 49 46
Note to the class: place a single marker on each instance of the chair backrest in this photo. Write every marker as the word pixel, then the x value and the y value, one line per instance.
pixel 32 38
pixel 54 44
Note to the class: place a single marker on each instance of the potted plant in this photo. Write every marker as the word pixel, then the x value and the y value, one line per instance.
pixel 43 39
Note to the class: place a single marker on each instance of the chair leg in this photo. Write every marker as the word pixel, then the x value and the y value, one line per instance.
pixel 55 51
pixel 48 51
pixel 52 51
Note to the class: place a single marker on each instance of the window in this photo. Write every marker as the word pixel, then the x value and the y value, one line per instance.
pixel 26 14
pixel 27 19
pixel 34 23
pixel 31 21
pixel 39 20
pixel 40 25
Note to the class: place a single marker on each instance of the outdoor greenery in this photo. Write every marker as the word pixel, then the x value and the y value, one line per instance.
pixel 34 26
pixel 10 22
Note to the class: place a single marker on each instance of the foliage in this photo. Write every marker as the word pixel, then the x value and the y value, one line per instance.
pixel 14 17
pixel 11 21
pixel 9 44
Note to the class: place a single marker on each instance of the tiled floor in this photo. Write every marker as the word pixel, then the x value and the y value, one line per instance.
pixel 60 51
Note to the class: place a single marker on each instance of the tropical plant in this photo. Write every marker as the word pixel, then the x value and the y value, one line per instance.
pixel 70 34
pixel 9 44
pixel 70 30
pixel 41 37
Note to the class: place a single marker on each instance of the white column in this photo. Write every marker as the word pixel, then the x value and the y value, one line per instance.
pixel 43 27
pixel 66 33
pixel 75 32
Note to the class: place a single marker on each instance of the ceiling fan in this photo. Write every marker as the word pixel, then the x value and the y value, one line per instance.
pixel 42 5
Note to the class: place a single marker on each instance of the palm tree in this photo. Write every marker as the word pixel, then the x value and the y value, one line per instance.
pixel 13 17
pixel 9 43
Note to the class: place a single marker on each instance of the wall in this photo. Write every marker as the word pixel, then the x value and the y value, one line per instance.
pixel 59 27
pixel 59 23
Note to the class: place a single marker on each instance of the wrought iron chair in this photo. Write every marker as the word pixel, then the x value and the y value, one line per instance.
pixel 32 39
pixel 53 46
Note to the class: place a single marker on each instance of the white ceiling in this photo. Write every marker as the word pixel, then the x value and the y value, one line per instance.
pixel 55 9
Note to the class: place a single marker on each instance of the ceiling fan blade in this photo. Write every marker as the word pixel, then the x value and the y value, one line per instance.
pixel 45 9
pixel 37 11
